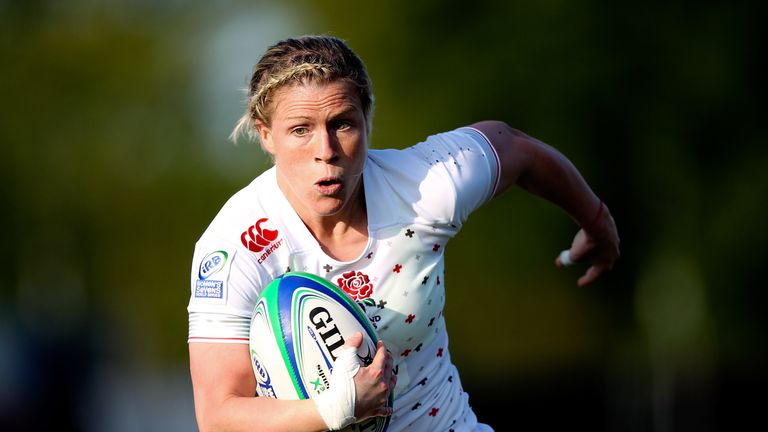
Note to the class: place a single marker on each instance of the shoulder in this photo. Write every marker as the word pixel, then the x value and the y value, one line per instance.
pixel 227 269
pixel 518 152
pixel 244 226
pixel 436 149
pixel 243 208
pixel 439 178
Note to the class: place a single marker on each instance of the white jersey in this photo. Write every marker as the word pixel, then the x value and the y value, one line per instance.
pixel 417 199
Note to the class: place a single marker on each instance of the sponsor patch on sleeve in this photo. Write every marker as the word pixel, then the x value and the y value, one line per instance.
pixel 212 275
pixel 209 289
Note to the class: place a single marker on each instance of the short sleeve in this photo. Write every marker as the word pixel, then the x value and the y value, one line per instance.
pixel 468 163
pixel 222 295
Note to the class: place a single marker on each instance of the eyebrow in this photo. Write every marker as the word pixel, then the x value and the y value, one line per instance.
pixel 345 111
pixel 297 118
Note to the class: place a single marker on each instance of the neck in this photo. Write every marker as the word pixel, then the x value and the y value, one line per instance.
pixel 353 217
pixel 344 234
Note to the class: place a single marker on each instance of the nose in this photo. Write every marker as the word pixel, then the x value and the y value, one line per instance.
pixel 327 147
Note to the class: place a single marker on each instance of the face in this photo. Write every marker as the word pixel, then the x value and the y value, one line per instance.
pixel 318 140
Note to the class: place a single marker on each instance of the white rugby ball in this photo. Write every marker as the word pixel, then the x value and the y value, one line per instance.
pixel 299 323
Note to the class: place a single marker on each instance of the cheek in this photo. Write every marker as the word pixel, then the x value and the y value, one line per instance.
pixel 358 151
pixel 291 168
pixel 287 158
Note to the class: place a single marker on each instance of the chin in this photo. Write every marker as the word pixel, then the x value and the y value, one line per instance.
pixel 328 207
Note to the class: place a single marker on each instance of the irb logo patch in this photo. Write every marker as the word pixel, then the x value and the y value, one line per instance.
pixel 212 275
pixel 212 263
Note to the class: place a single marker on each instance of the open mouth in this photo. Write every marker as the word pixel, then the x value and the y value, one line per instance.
pixel 329 185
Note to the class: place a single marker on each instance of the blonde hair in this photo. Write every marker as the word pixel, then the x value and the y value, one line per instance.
pixel 309 58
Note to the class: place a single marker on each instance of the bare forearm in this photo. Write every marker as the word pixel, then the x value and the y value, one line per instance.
pixel 262 414
pixel 223 384
pixel 553 177
pixel 541 170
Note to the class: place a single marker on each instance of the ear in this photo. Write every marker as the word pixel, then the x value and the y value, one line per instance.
pixel 265 136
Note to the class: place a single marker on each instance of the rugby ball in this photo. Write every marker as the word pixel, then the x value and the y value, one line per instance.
pixel 299 323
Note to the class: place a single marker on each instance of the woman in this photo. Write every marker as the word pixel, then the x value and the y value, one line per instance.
pixel 375 222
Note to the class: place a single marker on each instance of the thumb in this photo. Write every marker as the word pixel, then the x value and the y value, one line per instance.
pixel 355 340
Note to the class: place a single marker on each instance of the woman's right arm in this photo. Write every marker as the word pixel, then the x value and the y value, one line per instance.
pixel 225 387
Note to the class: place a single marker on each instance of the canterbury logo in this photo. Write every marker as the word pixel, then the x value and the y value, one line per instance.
pixel 256 238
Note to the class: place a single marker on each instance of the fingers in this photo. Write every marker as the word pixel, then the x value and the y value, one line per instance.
pixel 374 383
pixel 382 357
pixel 599 253
pixel 564 259
pixel 383 364
pixel 382 412
pixel 592 273
pixel 569 257
pixel 580 248
pixel 392 380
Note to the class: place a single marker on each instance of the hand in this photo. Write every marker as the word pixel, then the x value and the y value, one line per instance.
pixel 374 382
pixel 599 246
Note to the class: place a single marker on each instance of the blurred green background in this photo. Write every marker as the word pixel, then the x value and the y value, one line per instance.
pixel 114 127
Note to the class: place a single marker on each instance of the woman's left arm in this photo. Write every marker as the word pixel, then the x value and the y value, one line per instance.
pixel 541 170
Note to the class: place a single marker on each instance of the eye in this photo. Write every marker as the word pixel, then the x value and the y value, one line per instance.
pixel 342 124
pixel 300 131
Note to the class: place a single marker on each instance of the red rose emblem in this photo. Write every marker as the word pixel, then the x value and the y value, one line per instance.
pixel 356 284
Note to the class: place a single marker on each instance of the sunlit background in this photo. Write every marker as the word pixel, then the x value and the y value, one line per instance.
pixel 113 126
